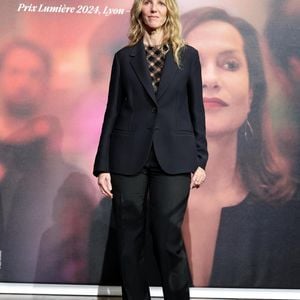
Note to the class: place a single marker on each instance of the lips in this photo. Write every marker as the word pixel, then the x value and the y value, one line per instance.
pixel 214 103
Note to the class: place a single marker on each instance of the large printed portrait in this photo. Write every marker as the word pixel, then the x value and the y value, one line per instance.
pixel 242 226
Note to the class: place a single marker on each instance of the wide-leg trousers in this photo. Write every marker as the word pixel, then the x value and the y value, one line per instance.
pixel 168 196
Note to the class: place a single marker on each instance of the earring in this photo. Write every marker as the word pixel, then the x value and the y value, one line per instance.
pixel 248 131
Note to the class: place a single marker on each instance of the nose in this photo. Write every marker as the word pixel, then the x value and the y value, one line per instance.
pixel 153 7
pixel 210 80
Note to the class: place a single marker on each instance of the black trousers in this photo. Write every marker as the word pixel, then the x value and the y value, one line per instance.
pixel 168 196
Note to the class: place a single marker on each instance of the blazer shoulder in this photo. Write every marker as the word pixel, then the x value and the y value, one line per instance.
pixel 189 55
pixel 190 51
pixel 124 51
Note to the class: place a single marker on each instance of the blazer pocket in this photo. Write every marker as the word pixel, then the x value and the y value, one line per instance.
pixel 117 131
pixel 184 132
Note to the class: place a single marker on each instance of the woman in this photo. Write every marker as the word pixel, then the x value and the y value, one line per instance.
pixel 234 236
pixel 153 138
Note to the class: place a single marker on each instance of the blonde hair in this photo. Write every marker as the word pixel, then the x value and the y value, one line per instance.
pixel 171 27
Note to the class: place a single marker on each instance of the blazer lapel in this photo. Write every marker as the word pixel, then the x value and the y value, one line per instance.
pixel 139 64
pixel 168 73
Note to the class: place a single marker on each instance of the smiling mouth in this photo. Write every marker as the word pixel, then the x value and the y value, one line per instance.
pixel 214 103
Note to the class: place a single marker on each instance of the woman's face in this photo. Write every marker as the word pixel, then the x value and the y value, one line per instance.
pixel 154 13
pixel 226 89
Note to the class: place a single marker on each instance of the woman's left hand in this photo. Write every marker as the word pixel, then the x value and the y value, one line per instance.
pixel 198 178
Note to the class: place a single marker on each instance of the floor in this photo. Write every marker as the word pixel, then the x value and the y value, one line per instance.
pixel 35 297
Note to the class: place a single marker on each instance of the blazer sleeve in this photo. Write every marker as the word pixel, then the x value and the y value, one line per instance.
pixel 101 163
pixel 197 109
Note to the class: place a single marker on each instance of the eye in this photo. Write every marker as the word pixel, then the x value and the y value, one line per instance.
pixel 162 3
pixel 231 65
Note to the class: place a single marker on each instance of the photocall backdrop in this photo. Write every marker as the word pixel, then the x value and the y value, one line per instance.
pixel 241 228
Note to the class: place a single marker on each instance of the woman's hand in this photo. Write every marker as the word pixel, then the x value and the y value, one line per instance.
pixel 198 178
pixel 104 183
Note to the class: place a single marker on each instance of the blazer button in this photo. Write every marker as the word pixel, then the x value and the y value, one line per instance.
pixel 154 110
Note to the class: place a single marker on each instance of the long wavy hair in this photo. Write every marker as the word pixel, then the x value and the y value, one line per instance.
pixel 263 170
pixel 171 27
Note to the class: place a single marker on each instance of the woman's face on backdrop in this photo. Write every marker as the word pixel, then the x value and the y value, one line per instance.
pixel 225 76
pixel 154 13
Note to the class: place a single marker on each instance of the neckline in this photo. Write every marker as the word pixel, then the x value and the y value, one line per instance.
pixel 163 47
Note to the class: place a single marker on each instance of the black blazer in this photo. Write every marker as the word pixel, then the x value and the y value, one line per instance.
pixel 135 118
